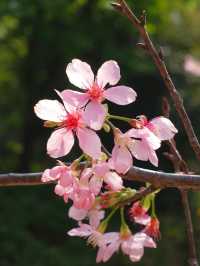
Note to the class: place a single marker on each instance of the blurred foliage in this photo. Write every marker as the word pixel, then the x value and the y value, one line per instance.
pixel 37 40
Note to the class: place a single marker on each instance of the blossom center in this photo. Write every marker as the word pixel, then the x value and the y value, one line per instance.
pixel 72 121
pixel 137 210
pixel 95 93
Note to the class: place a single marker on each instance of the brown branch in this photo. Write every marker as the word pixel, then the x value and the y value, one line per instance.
pixel 122 7
pixel 156 178
pixel 192 261
pixel 180 165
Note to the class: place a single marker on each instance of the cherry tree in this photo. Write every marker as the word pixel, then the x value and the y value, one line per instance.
pixel 93 184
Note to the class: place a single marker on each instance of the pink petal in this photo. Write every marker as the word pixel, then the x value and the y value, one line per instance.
pixel 153 157
pixel 144 240
pixel 77 214
pixel 109 245
pixel 59 190
pixel 136 133
pixel 80 74
pixel 142 151
pixel 86 175
pixel 94 115
pixel 53 174
pixel 51 110
pixel 114 181
pixel 73 99
pixel 122 159
pixel 145 134
pixel 95 216
pixel 83 231
pixel 142 219
pixel 100 253
pixel 89 142
pixel 96 184
pixel 164 129
pixel 60 143
pixel 128 245
pixel 110 250
pixel 66 179
pixel 139 150
pixel 101 169
pixel 109 72
pixel 136 254
pixel 121 95
pixel 152 141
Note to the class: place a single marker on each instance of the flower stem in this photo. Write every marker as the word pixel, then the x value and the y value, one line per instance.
pixel 153 207
pixel 122 216
pixel 111 214
pixel 117 117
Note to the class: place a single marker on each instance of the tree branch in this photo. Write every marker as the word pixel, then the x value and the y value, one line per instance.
pixel 156 178
pixel 122 7
pixel 180 165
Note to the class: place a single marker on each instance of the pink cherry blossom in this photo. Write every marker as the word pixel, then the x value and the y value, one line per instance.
pixel 87 231
pixel 161 126
pixel 153 228
pixel 139 143
pixel 69 120
pixel 54 173
pixel 131 245
pixel 94 215
pixel 144 144
pixel 83 197
pixel 65 178
pixel 139 214
pixel 121 159
pixel 80 74
pixel 65 186
pixel 102 173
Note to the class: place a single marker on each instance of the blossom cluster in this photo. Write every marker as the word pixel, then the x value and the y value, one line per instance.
pixel 93 183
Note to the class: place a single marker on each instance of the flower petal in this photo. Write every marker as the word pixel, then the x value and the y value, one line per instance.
pixel 141 150
pixel 95 184
pixel 73 99
pixel 77 214
pixel 122 159
pixel 60 143
pixel 109 72
pixel 95 216
pixel 94 115
pixel 83 231
pixel 89 142
pixel 153 157
pixel 164 129
pixel 80 74
pixel 51 110
pixel 101 169
pixel 121 95
pixel 114 181
pixel 54 173
pixel 136 254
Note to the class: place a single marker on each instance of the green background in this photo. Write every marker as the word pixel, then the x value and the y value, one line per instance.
pixel 37 40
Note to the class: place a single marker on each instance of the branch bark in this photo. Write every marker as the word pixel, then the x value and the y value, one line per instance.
pixel 157 178
pixel 180 165
pixel 122 7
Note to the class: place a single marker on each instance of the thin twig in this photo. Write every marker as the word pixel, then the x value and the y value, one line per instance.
pixel 192 261
pixel 122 7
pixel 180 165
